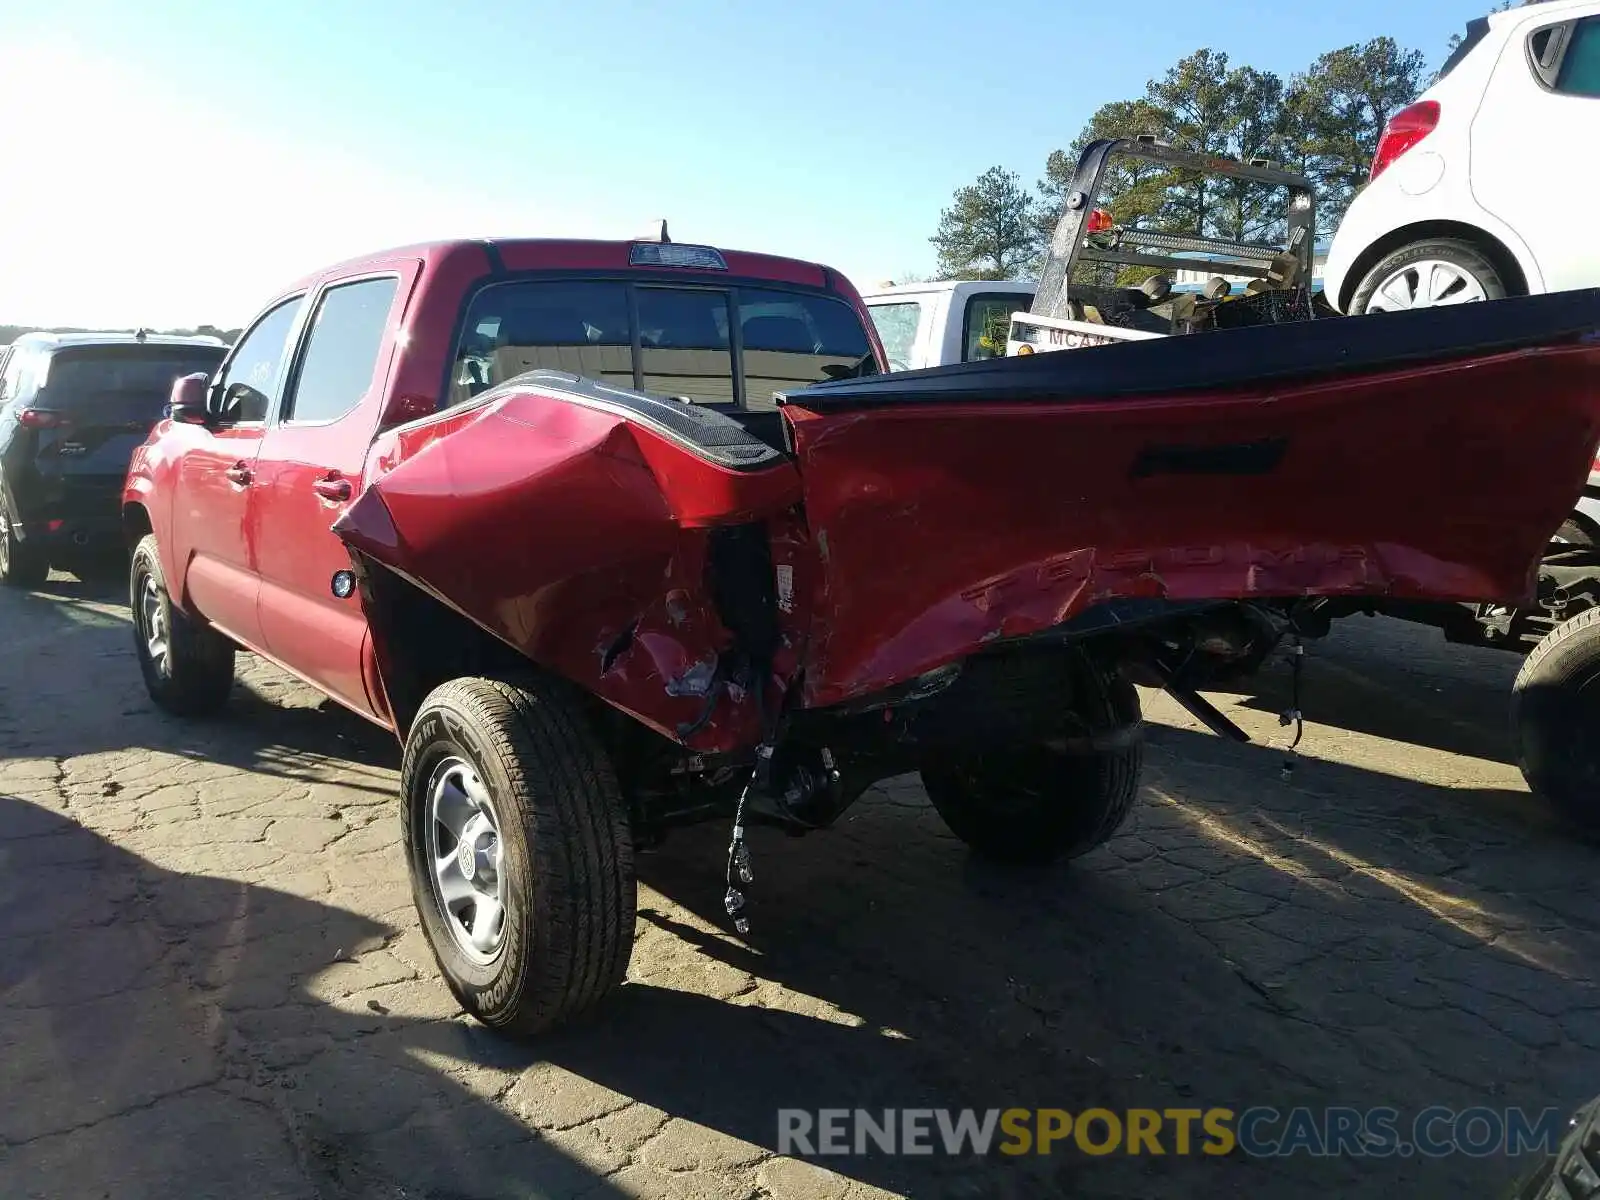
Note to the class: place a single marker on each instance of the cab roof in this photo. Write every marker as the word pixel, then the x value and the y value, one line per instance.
pixel 574 254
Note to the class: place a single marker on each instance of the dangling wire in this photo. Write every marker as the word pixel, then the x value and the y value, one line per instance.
pixel 760 774
pixel 1293 715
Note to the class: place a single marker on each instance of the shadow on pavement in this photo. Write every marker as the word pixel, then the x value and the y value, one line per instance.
pixel 1339 942
pixel 165 1035
pixel 1354 938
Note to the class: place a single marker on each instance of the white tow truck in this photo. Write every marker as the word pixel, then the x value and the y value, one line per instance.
pixel 937 323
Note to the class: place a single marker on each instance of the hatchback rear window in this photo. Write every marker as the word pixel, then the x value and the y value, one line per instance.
pixel 82 373
pixel 684 336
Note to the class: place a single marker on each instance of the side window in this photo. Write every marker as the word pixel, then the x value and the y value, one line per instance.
pixel 249 383
pixel 684 349
pixel 897 330
pixel 988 321
pixel 341 352
pixel 1580 66
pixel 580 328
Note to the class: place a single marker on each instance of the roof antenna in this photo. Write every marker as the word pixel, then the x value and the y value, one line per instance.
pixel 658 232
pixel 140 334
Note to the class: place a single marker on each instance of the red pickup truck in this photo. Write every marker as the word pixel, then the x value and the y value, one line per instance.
pixel 618 535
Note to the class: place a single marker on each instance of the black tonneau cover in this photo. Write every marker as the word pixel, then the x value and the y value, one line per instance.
pixel 1235 358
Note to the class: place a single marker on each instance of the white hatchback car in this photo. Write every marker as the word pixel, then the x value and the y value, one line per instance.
pixel 1487 185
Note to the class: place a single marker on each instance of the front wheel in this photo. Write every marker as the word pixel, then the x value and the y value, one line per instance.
pixel 1033 804
pixel 520 851
pixel 1555 712
pixel 187 667
pixel 1428 274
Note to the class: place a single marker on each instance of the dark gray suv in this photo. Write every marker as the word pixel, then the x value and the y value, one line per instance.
pixel 72 409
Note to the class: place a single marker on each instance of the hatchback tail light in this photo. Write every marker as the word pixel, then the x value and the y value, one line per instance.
pixel 42 418
pixel 1404 130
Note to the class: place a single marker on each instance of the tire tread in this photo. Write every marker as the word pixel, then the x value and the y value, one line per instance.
pixel 566 794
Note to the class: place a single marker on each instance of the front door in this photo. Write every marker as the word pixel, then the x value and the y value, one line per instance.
pixel 309 468
pixel 1533 142
pixel 213 530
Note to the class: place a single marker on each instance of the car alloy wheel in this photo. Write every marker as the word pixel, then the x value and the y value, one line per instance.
pixel 153 625
pixel 1430 283
pixel 464 848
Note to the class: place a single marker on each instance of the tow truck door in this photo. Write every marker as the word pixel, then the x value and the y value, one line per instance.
pixel 310 468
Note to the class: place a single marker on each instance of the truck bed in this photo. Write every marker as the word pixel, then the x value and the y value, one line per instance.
pixel 1237 358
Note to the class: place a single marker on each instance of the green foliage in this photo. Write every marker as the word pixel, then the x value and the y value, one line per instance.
pixel 1339 107
pixel 988 232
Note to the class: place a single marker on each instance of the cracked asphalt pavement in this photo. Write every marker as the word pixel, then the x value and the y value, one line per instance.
pixel 212 983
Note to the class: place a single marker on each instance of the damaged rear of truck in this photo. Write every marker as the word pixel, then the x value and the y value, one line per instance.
pixel 961 572
pixel 623 590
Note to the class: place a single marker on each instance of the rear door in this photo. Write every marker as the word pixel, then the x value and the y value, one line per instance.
pixel 213 534
pixel 310 468
pixel 1533 159
pixel 103 401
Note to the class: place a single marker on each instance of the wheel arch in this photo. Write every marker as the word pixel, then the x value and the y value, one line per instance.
pixel 1504 259
pixel 419 642
pixel 136 522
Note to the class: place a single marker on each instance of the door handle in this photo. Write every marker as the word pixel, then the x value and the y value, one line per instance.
pixel 238 474
pixel 333 490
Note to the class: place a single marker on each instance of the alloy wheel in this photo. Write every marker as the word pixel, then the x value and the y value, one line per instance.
pixel 1431 283
pixel 153 624
pixel 465 853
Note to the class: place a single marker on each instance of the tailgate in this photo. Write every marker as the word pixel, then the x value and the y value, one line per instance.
pixel 98 435
pixel 997 502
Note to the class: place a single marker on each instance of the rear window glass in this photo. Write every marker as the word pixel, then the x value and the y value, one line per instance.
pixel 684 349
pixel 686 346
pixel 791 340
pixel 89 371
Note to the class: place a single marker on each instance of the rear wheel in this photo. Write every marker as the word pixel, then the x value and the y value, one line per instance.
pixel 1555 716
pixel 1033 804
pixel 1428 274
pixel 21 565
pixel 187 667
pixel 520 850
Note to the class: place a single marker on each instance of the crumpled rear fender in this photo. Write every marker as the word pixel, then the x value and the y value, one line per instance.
pixel 578 538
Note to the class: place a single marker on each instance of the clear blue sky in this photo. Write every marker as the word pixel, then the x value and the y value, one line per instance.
pixel 187 158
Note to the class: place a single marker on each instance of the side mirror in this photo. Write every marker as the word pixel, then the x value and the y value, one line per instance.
pixel 187 405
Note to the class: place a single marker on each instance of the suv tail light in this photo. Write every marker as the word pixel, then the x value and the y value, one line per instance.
pixel 1404 130
pixel 42 418
pixel 1100 221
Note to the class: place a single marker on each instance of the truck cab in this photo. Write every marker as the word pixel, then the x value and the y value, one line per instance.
pixel 945 321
